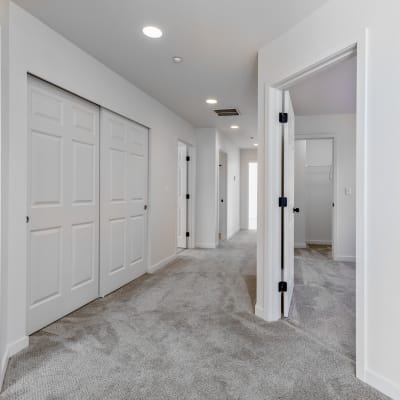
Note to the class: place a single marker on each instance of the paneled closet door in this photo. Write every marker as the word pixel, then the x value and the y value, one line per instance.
pixel 63 203
pixel 123 212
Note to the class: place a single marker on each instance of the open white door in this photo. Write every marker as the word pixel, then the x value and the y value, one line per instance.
pixel 222 196
pixel 288 186
pixel 182 201
pixel 123 194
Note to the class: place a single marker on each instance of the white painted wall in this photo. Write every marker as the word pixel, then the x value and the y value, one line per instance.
pixel 226 145
pixel 37 49
pixel 343 128
pixel 300 194
pixel 246 156
pixel 206 188
pixel 333 27
pixel 4 66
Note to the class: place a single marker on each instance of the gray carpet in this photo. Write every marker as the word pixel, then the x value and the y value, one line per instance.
pixel 187 332
pixel 324 298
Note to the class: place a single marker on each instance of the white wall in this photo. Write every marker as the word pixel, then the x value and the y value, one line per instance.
pixel 343 128
pixel 4 65
pixel 233 213
pixel 206 188
pixel 246 156
pixel 333 27
pixel 37 49
pixel 300 194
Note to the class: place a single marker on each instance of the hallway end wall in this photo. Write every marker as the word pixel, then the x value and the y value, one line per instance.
pixel 206 188
pixel 233 182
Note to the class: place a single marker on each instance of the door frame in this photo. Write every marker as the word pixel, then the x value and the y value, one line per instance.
pixel 268 302
pixel 180 143
pixel 333 137
pixel 191 189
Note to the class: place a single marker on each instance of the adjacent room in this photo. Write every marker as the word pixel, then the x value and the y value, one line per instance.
pixel 324 294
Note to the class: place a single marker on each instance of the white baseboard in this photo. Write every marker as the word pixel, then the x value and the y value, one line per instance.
pixel 382 384
pixel 16 347
pixel 205 245
pixel 300 245
pixel 161 264
pixel 10 351
pixel 345 258
pixel 234 232
pixel 321 242
pixel 3 368
pixel 259 311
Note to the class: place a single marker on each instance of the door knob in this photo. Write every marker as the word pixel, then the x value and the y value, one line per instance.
pixel 296 210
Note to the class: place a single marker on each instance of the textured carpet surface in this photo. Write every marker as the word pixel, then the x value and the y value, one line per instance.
pixel 187 332
pixel 324 298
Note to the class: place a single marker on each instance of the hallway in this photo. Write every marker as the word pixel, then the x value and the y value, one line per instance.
pixel 187 332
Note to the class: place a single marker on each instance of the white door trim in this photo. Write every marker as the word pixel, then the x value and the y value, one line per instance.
pixel 268 304
pixel 182 200
pixel 223 219
pixel 191 188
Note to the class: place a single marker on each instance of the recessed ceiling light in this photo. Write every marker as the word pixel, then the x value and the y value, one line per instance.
pixel 256 144
pixel 234 126
pixel 152 32
pixel 211 101
pixel 177 60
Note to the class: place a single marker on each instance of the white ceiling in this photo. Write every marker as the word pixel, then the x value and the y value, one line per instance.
pixel 332 91
pixel 218 40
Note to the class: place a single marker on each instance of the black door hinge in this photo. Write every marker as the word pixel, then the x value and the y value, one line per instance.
pixel 283 118
pixel 188 158
pixel 187 234
pixel 188 197
pixel 282 287
pixel 283 202
pixel 27 219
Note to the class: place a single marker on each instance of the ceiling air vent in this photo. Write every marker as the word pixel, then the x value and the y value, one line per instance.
pixel 227 112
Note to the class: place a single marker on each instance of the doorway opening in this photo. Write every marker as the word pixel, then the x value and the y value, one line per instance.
pixel 253 177
pixel 318 205
pixel 314 194
pixel 223 196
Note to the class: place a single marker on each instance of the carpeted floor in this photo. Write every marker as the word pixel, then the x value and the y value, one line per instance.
pixel 324 299
pixel 187 332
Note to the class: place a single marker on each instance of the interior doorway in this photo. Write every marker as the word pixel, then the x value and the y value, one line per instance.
pixel 222 196
pixel 318 206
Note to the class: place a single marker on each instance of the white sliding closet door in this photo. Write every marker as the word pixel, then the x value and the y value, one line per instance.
pixel 124 186
pixel 63 203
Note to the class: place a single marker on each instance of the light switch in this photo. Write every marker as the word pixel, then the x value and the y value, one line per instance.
pixel 347 191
